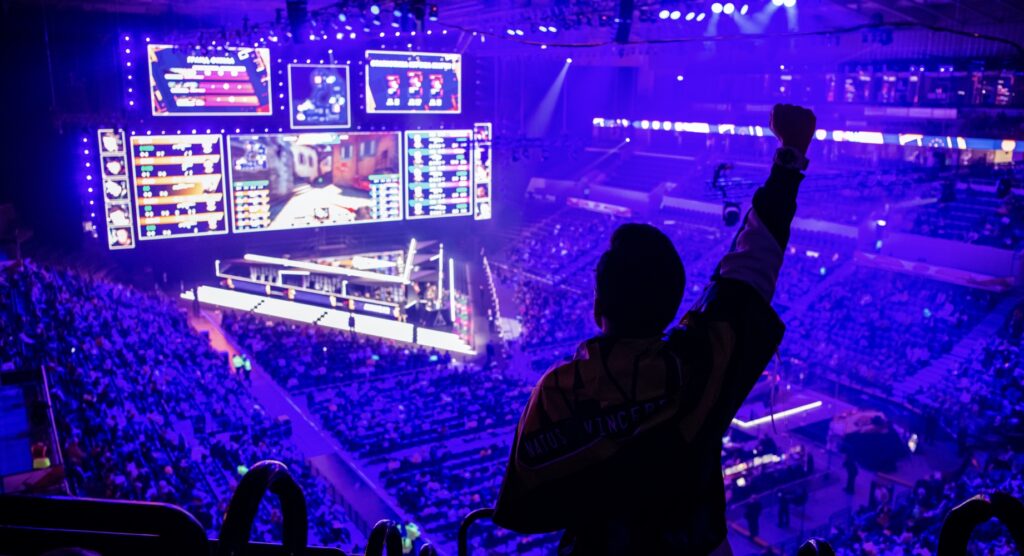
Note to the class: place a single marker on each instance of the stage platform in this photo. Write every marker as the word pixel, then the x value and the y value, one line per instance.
pixel 274 307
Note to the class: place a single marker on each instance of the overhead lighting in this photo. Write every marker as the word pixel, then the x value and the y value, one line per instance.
pixel 777 3
pixel 789 3
pixel 743 10
pixel 543 28
pixel 690 16
pixel 663 14
pixel 701 16
pixel 676 14
pixel 375 9
pixel 728 8
pixel 716 8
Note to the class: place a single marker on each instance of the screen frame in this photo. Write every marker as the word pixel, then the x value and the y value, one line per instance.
pixel 405 177
pixel 348 97
pixel 231 181
pixel 270 88
pixel 138 219
pixel 376 111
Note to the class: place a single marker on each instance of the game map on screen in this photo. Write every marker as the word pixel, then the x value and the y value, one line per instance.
pixel 413 82
pixel 179 185
pixel 302 180
pixel 438 171
pixel 224 81
pixel 319 96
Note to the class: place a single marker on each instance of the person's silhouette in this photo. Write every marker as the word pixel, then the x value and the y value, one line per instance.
pixel 621 446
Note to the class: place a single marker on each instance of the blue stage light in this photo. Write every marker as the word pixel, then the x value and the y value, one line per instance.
pixel 543 29
pixel 511 32
pixel 519 32
pixel 789 3
pixel 375 9
pixel 663 14
pixel 716 8
pixel 568 60
pixel 690 16
pixel 777 3
pixel 728 8
pixel 743 10
pixel 701 16
pixel 676 14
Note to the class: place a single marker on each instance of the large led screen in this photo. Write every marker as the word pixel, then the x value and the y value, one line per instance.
pixel 413 82
pixel 319 96
pixel 301 180
pixel 210 82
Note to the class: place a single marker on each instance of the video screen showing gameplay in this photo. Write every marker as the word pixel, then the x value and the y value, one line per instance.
pixel 305 180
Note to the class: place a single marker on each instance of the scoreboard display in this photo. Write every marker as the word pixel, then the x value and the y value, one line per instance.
pixel 179 186
pixel 413 82
pixel 438 173
pixel 222 81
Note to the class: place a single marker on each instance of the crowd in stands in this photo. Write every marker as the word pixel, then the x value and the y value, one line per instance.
pixel 964 213
pixel 299 356
pixel 401 411
pixel 146 409
pixel 876 327
pixel 909 522
pixel 983 398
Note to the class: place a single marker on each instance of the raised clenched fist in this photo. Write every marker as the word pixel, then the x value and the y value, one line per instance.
pixel 793 125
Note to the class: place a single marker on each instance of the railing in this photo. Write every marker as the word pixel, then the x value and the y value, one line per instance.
pixel 31 525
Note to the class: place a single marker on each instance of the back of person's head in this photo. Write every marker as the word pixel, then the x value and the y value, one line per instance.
pixel 640 282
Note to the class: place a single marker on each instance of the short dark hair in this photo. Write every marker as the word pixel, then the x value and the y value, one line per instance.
pixel 640 281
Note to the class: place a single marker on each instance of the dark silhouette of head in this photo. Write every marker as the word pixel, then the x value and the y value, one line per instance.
pixel 640 283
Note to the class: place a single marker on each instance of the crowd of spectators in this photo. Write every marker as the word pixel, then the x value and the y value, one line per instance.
pixel 983 397
pixel 876 327
pixel 300 356
pixel 401 412
pixel 146 409
pixel 909 522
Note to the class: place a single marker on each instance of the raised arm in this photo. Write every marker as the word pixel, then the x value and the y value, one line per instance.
pixel 732 332
pixel 756 253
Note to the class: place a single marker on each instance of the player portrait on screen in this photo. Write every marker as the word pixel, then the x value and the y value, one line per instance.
pixel 113 165
pixel 115 190
pixel 415 93
pixel 119 237
pixel 111 142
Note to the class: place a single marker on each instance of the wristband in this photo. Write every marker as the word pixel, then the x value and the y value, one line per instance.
pixel 791 159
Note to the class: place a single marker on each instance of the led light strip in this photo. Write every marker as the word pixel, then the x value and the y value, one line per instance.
pixel 836 135
pixel 777 416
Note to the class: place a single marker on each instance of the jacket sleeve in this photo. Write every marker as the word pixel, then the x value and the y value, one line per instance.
pixel 732 332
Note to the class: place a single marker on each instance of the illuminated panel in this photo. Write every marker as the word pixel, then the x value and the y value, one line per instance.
pixel 483 178
pixel 179 186
pixel 319 96
pixel 413 82
pixel 837 135
pixel 210 81
pixel 306 180
pixel 116 189
pixel 438 173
